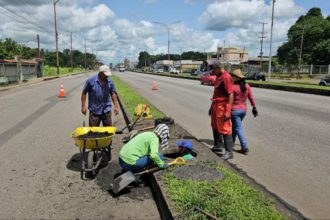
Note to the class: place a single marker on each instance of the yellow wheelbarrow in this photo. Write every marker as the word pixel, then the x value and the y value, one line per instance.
pixel 94 143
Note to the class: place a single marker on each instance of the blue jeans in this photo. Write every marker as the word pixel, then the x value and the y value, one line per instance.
pixel 141 163
pixel 237 117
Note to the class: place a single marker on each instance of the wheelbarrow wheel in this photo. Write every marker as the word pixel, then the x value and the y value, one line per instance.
pixel 90 159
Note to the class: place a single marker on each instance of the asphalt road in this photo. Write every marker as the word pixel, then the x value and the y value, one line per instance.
pixel 38 178
pixel 289 140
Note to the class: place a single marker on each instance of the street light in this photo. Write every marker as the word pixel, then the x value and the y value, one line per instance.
pixel 168 35
pixel 56 38
pixel 270 44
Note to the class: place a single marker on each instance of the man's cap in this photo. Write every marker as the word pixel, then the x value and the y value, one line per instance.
pixel 237 73
pixel 185 144
pixel 105 69
pixel 163 131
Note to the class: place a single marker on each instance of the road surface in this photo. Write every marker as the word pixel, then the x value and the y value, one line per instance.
pixel 38 178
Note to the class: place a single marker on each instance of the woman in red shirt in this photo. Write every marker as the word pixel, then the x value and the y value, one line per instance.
pixel 242 91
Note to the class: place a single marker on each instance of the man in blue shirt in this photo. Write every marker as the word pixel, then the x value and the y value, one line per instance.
pixel 99 89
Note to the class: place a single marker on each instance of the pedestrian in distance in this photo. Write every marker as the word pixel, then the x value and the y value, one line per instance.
pixel 143 150
pixel 242 91
pixel 220 112
pixel 99 89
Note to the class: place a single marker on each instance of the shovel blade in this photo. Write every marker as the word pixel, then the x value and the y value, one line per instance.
pixel 122 181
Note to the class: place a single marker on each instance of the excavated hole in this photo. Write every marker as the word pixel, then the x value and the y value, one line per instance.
pixel 198 172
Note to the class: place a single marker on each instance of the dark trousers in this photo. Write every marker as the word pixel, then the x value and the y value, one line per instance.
pixel 227 140
pixel 95 120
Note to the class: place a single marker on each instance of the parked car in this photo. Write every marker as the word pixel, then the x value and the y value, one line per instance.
pixel 325 81
pixel 159 71
pixel 196 73
pixel 207 78
pixel 255 76
pixel 173 70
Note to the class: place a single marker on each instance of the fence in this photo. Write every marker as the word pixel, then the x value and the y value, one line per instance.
pixel 19 71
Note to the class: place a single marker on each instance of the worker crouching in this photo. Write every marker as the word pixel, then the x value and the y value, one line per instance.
pixel 143 150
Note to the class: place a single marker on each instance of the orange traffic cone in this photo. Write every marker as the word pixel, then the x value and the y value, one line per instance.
pixel 62 93
pixel 154 87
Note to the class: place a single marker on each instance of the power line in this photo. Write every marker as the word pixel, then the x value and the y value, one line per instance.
pixel 24 19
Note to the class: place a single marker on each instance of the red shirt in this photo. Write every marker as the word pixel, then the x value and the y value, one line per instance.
pixel 240 97
pixel 223 86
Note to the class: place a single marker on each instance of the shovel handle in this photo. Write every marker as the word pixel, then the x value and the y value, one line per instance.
pixel 148 171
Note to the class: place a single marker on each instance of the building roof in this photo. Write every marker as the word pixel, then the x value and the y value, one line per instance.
pixel 19 61
pixel 232 50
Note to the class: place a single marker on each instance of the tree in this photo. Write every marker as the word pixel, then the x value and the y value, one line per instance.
pixel 315 29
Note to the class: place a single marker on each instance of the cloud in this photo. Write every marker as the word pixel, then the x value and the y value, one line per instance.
pixel 114 39
pixel 223 15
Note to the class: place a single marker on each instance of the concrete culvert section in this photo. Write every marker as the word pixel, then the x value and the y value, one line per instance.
pixel 198 172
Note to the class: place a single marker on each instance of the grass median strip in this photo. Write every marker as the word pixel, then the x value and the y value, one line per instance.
pixel 131 99
pixel 291 84
pixel 230 198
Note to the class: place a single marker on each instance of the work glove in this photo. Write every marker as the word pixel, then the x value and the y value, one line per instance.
pixel 227 115
pixel 254 111
pixel 165 166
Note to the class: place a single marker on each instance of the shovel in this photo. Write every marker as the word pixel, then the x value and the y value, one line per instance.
pixel 128 177
pixel 130 126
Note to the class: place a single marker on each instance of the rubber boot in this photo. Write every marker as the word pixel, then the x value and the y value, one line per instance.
pixel 217 141
pixel 228 140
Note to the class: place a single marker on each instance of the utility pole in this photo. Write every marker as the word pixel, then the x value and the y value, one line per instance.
pixel 301 48
pixel 38 40
pixel 71 50
pixel 242 57
pixel 168 35
pixel 85 56
pixel 56 39
pixel 270 44
pixel 262 42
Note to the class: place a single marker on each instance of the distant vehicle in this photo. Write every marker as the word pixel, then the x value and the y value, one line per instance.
pixel 173 70
pixel 196 73
pixel 207 78
pixel 159 70
pixel 121 68
pixel 255 76
pixel 325 81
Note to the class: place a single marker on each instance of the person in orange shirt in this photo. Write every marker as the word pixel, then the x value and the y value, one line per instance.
pixel 220 111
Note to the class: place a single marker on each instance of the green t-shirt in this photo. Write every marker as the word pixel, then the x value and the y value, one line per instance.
pixel 144 144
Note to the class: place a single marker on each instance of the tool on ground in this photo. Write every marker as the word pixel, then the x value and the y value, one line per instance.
pixel 62 93
pixel 128 177
pixel 131 125
pixel 196 208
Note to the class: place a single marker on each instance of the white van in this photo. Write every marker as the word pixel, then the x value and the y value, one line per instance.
pixel 121 68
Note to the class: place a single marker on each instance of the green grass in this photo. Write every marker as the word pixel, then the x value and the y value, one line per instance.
pixel 291 84
pixel 52 71
pixel 131 99
pixel 231 198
